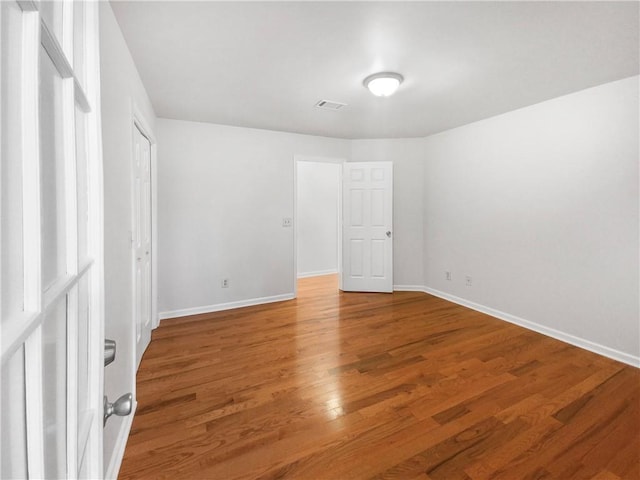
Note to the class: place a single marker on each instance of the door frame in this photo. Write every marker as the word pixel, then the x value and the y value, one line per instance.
pixel 314 159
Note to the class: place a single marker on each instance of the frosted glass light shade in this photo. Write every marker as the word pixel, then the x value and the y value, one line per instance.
pixel 383 84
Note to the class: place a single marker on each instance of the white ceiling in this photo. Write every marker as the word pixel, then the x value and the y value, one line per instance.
pixel 266 64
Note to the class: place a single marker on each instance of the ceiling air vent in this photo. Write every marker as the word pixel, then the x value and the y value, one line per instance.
pixel 329 105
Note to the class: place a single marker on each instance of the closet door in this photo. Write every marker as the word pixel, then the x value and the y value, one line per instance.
pixel 142 240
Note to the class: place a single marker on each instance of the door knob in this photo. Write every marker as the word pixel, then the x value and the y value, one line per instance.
pixel 121 407
pixel 389 233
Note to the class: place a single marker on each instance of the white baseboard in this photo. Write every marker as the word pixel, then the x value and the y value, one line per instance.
pixel 409 288
pixel 225 306
pixel 121 442
pixel 317 274
pixel 536 327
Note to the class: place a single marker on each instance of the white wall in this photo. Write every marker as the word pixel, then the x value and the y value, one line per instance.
pixel 120 87
pixel 540 207
pixel 318 201
pixel 222 195
pixel 407 158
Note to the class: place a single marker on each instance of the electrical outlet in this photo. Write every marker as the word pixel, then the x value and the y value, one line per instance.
pixel 469 280
pixel 447 275
pixel 287 222
pixel 225 283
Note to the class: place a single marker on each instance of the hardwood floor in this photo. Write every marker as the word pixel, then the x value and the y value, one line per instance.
pixel 354 385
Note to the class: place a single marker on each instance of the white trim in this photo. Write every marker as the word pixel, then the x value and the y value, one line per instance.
pixel 70 176
pixel 84 430
pixel 34 404
pixel 16 333
pixel 27 5
pixel 143 124
pixel 295 226
pixel 93 457
pixel 529 325
pixel 72 380
pixel 319 273
pixel 340 216
pixel 155 320
pixel 62 286
pixel 409 288
pixel 81 96
pixel 61 55
pixel 307 158
pixel 121 442
pixel 2 83
pixel 31 163
pixel 66 40
pixel 55 51
pixel 185 312
pixel 31 253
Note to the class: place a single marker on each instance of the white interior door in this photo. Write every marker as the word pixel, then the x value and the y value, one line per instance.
pixel 142 240
pixel 51 229
pixel 367 249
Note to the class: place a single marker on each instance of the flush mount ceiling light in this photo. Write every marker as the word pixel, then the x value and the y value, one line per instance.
pixel 383 84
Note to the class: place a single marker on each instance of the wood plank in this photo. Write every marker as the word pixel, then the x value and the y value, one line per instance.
pixel 337 385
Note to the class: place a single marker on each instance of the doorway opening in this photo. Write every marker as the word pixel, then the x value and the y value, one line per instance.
pixel 318 204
